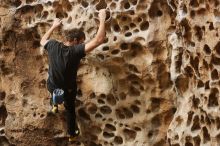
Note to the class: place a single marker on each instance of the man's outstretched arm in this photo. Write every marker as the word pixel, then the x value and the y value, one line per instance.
pixel 100 36
pixel 47 35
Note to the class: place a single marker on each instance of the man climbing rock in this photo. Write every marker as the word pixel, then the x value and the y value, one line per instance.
pixel 64 59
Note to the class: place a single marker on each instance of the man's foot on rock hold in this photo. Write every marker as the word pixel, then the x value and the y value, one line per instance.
pixel 54 109
pixel 73 138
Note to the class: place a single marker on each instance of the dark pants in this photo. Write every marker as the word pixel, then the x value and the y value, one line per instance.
pixel 69 104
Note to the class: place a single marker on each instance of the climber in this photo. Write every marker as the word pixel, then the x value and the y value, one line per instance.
pixel 64 58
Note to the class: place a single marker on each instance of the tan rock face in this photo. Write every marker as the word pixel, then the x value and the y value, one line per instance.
pixel 196 74
pixel 153 82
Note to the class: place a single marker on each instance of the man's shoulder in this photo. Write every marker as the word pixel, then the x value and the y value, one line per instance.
pixel 79 47
pixel 52 44
pixel 80 50
pixel 53 41
pixel 77 50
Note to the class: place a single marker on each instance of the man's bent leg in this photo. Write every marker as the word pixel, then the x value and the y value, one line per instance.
pixel 51 88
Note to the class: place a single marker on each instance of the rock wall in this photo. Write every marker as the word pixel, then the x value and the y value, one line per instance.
pixel 195 45
pixel 154 82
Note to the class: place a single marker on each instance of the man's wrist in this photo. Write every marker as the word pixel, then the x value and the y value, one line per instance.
pixel 102 20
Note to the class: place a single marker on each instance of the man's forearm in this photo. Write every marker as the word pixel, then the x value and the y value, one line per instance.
pixel 47 36
pixel 101 32
pixel 100 36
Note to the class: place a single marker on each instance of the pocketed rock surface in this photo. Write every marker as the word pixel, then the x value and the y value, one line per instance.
pixel 154 82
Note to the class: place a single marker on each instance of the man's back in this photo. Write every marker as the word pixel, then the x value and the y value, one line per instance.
pixel 63 63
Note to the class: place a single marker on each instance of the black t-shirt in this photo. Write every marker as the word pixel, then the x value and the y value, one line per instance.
pixel 63 64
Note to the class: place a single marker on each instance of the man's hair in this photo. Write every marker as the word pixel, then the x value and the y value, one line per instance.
pixel 74 34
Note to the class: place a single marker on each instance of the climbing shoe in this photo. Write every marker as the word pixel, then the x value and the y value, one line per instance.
pixel 72 138
pixel 54 109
